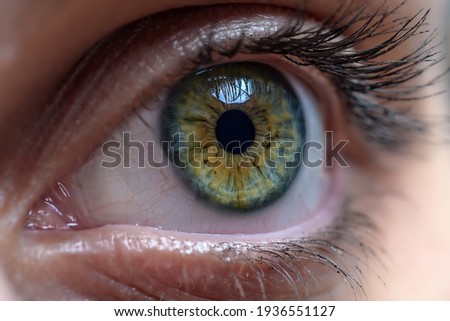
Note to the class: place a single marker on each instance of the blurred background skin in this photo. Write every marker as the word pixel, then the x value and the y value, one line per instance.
pixel 39 40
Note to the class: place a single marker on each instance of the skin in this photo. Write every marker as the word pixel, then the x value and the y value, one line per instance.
pixel 35 52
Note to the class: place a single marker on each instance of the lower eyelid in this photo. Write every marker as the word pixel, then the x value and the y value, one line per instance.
pixel 126 262
pixel 130 263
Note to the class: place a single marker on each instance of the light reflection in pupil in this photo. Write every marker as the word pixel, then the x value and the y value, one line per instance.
pixel 235 131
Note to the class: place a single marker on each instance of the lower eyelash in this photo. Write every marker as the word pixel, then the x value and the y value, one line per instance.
pixel 343 251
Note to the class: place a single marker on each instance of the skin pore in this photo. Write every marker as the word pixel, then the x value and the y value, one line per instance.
pixel 40 41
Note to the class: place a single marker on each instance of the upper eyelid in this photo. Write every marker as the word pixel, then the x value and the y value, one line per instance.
pixel 201 50
pixel 98 21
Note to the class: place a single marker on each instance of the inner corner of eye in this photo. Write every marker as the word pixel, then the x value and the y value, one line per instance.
pixel 228 157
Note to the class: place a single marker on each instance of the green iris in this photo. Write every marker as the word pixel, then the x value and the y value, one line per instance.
pixel 233 128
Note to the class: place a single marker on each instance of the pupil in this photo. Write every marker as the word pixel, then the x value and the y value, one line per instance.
pixel 235 131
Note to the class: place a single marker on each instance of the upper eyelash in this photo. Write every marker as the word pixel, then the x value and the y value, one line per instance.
pixel 367 85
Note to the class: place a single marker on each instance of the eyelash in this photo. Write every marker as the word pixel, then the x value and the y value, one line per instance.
pixel 288 257
pixel 357 74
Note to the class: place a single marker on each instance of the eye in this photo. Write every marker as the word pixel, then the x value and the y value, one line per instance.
pixel 238 111
pixel 213 182
pixel 214 156
pixel 242 149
